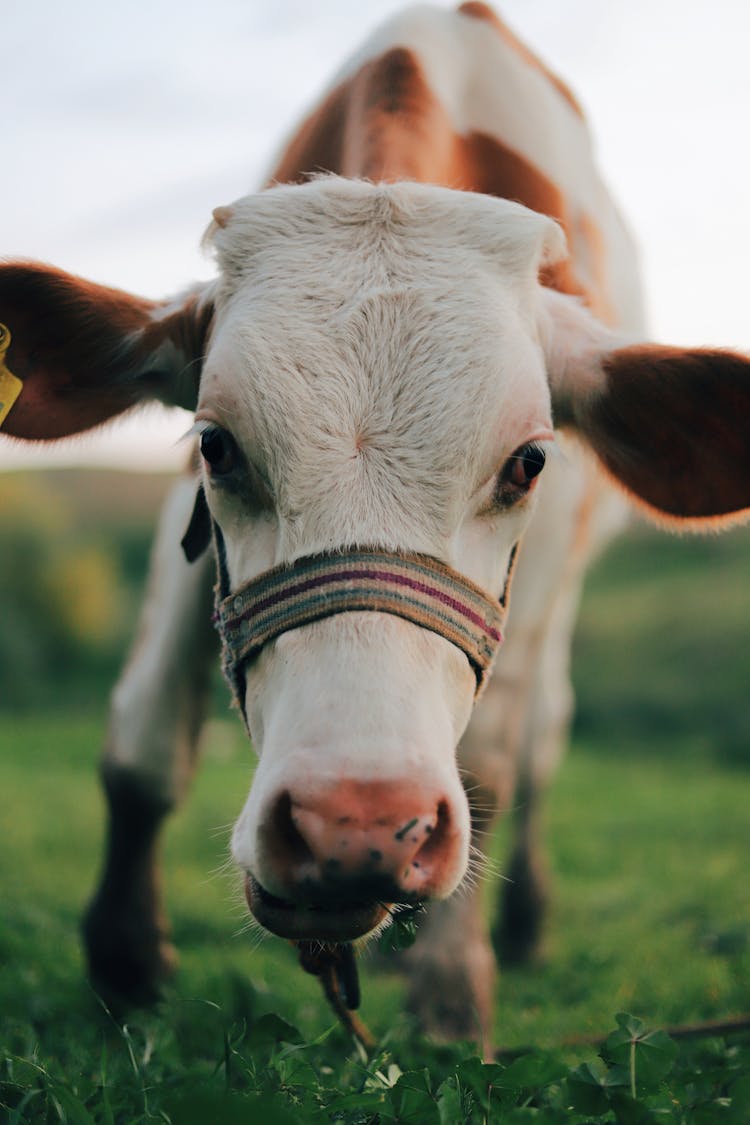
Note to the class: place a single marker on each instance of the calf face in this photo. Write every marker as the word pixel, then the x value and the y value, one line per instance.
pixel 373 370
pixel 374 380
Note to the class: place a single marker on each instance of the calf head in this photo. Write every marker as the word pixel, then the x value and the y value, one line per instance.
pixel 373 372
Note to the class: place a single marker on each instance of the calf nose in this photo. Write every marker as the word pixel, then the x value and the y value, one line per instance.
pixel 373 840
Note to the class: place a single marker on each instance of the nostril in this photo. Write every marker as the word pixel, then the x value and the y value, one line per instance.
pixel 289 847
pixel 438 837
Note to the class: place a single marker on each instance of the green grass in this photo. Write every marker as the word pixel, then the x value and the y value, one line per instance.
pixel 649 916
pixel 661 656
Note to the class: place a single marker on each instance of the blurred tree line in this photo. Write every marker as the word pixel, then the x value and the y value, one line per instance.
pixel 72 564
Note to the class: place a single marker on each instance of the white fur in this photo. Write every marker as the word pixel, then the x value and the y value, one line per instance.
pixel 378 399
pixel 155 715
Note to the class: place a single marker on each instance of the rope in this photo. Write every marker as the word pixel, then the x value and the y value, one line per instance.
pixel 336 968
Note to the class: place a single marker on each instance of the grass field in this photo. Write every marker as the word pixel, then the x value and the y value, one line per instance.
pixel 650 916
pixel 649 832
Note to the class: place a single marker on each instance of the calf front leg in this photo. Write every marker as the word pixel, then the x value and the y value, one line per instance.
pixel 452 971
pixel 124 928
pixel 157 711
pixel 517 731
pixel 518 927
pixel 517 931
pixel 507 754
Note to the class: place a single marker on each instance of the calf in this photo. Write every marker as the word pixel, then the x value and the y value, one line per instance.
pixel 415 378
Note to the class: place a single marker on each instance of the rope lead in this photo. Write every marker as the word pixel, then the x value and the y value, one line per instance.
pixel 336 968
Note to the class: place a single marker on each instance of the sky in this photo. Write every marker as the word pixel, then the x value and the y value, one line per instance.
pixel 125 124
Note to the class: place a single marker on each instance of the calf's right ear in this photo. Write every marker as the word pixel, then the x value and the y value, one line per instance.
pixel 671 425
pixel 85 353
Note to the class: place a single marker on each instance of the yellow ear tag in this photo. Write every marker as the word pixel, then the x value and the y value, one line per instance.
pixel 10 386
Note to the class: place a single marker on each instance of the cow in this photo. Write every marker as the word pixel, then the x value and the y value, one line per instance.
pixel 421 382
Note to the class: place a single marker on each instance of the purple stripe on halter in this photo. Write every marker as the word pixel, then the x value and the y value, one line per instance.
pixel 377 575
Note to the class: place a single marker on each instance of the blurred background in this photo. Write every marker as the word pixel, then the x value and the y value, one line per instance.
pixel 123 126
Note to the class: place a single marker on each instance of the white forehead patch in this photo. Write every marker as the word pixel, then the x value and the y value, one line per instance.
pixel 372 217
pixel 376 345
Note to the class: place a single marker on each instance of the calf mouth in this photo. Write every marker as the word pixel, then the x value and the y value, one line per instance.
pixel 329 922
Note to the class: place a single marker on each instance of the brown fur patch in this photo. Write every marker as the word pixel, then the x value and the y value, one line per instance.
pixel 477 10
pixel 85 352
pixel 383 124
pixel 587 242
pixel 402 131
pixel 67 334
pixel 666 428
pixel 317 145
pixel 489 166
pixel 395 84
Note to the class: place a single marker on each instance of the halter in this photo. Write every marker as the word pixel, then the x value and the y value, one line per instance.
pixel 415 587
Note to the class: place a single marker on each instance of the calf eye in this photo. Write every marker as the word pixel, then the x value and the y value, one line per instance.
pixel 519 474
pixel 525 464
pixel 219 451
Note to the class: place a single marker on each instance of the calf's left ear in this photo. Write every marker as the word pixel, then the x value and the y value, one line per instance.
pixel 85 353
pixel 672 425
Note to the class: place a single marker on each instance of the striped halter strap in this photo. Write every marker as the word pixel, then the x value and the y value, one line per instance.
pixel 418 588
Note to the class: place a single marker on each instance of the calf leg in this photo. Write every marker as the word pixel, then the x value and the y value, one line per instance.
pixel 517 930
pixel 452 967
pixel 156 716
pixel 507 755
pixel 124 929
pixel 452 971
pixel 545 602
pixel 511 748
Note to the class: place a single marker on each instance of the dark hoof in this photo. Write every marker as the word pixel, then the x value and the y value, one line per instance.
pixel 128 962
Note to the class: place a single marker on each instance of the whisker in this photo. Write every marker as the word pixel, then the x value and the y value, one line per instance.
pixel 220 829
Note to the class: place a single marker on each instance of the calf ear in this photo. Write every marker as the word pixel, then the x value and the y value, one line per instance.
pixel 86 353
pixel 672 425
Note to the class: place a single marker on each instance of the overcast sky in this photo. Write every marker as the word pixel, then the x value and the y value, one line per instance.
pixel 124 125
